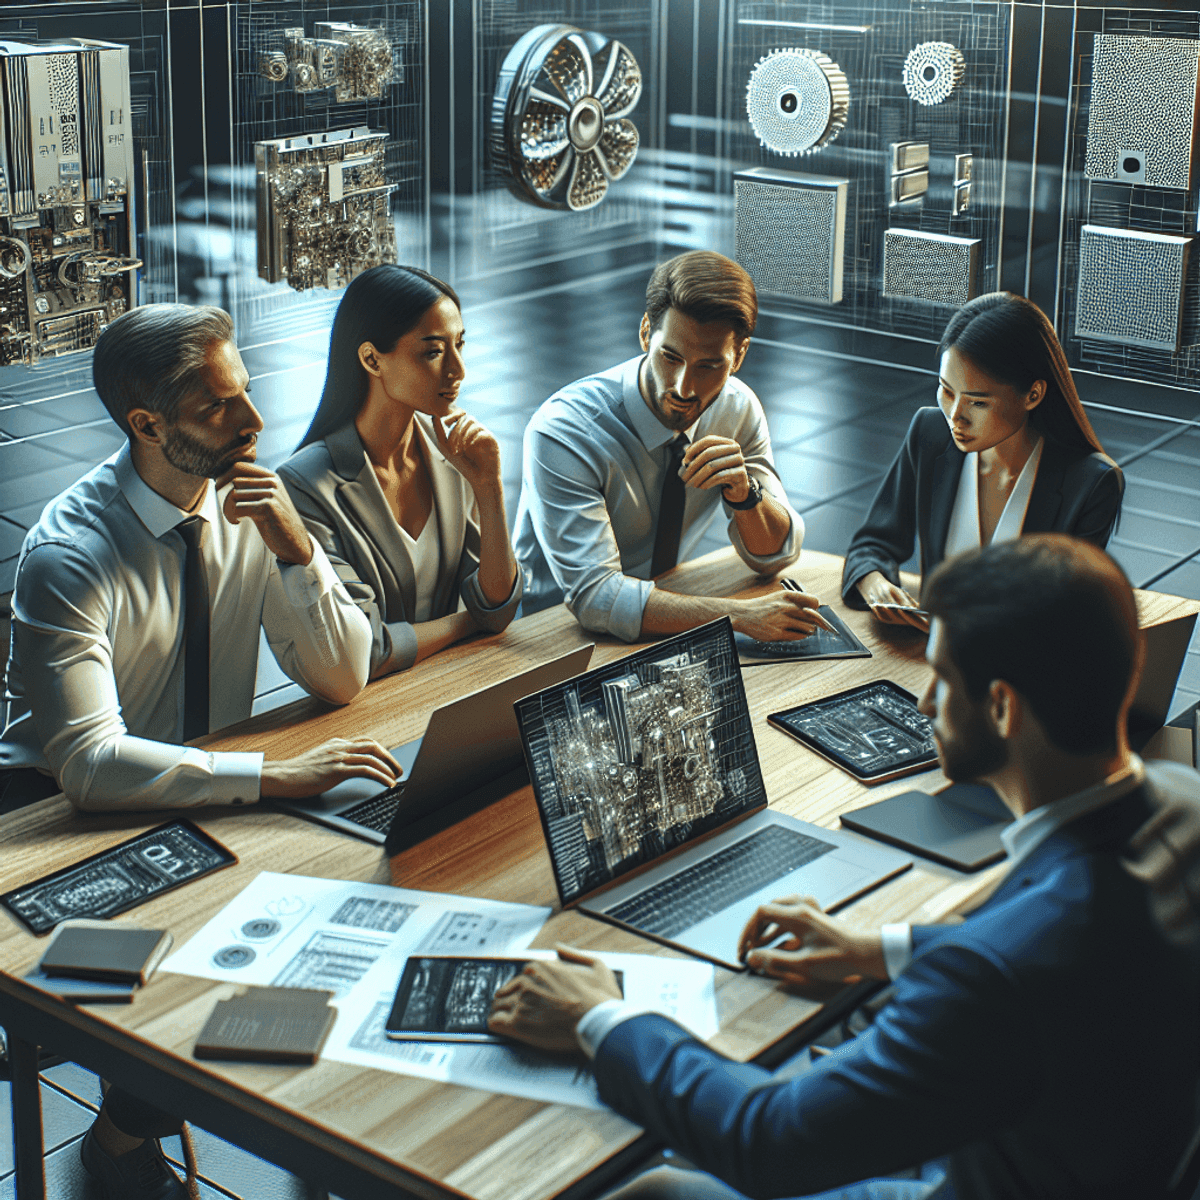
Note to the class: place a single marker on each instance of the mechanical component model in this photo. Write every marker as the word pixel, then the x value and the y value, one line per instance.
pixel 355 60
pixel 932 71
pixel 66 195
pixel 1142 115
pixel 797 100
pixel 1132 287
pixel 560 128
pixel 324 207
pixel 910 173
pixel 936 267
pixel 790 230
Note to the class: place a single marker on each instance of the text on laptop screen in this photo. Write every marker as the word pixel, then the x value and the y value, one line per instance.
pixel 638 757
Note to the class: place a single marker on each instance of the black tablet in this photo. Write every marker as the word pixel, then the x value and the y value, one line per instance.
pixel 873 731
pixel 444 999
pixel 120 878
pixel 819 644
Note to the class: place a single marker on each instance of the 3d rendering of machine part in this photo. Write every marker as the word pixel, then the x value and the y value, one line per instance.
pixel 560 129
pixel 932 71
pixel 797 100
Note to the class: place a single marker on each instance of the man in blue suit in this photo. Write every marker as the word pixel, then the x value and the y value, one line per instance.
pixel 1047 1046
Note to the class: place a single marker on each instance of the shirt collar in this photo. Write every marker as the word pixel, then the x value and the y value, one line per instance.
pixel 1028 832
pixel 158 514
pixel 652 433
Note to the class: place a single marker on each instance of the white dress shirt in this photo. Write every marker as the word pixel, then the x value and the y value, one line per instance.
pixel 94 688
pixel 964 533
pixel 594 461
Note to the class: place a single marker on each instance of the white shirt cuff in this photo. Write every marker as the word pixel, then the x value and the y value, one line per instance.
pixel 897 948
pixel 236 777
pixel 305 583
pixel 597 1023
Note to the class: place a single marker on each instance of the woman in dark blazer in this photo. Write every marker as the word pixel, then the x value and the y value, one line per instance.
pixel 402 488
pixel 1008 450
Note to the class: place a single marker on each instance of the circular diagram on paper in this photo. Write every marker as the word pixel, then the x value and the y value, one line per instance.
pixel 261 928
pixel 797 100
pixel 932 71
pixel 230 958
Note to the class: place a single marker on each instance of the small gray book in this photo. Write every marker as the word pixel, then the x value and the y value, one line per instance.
pixel 87 949
pixel 268 1024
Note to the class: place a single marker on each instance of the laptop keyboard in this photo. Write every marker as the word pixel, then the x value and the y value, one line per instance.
pixel 377 812
pixel 715 883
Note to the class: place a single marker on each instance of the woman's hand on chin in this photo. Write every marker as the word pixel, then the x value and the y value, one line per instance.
pixel 470 448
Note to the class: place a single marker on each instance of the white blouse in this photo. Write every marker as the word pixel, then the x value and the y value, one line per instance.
pixel 424 551
pixel 964 519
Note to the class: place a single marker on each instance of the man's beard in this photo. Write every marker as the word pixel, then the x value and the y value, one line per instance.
pixel 677 421
pixel 974 753
pixel 191 456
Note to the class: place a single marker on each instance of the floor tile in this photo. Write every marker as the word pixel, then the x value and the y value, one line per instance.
pixel 62 1120
pixel 814 476
pixel 1184 580
pixel 1171 534
pixel 1142 564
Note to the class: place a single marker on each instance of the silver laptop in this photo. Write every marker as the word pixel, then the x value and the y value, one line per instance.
pixel 652 801
pixel 466 744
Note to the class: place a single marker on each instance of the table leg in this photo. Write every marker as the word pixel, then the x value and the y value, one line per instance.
pixel 28 1147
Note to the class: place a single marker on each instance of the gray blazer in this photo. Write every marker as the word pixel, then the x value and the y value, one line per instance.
pixel 338 497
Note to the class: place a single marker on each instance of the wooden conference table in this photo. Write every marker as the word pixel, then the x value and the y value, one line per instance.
pixel 363 1133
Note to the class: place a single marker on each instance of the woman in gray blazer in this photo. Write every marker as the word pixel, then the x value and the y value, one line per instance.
pixel 398 484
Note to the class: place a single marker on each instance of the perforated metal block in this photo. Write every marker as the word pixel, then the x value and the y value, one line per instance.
pixel 1131 287
pixel 791 232
pixel 1142 115
pixel 930 266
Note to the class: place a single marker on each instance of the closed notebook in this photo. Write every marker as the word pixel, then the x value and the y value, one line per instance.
pixel 86 949
pixel 83 991
pixel 267 1024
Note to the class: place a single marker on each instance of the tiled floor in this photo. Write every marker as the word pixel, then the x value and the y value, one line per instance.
pixel 835 424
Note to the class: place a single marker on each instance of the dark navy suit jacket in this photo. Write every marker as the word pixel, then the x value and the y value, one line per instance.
pixel 1075 492
pixel 1049 1046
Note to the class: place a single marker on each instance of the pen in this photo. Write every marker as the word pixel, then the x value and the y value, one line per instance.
pixel 790 585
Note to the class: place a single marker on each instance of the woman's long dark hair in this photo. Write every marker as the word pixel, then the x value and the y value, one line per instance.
pixel 380 306
pixel 1010 339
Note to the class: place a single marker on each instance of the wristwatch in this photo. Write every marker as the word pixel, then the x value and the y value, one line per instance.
pixel 753 497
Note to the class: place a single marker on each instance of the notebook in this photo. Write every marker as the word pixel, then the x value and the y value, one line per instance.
pixel 84 949
pixel 652 802
pixel 466 744
pixel 268 1024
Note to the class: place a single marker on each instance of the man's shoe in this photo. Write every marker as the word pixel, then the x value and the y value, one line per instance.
pixel 142 1174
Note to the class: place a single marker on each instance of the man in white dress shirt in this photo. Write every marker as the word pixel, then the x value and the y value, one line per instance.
pixel 624 472
pixel 136 613
pixel 1047 1045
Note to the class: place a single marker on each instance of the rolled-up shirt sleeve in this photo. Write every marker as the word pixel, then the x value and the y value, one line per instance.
pixel 319 636
pixel 567 503
pixel 67 672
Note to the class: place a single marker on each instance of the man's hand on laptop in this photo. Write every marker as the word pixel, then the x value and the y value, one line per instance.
pixel 814 947
pixel 543 1004
pixel 327 765
pixel 779 616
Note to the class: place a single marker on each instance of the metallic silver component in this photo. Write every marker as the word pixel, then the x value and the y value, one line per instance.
pixel 273 66
pixel 66 196
pixel 908 188
pixel 932 71
pixel 1142 115
pixel 936 267
pixel 324 207
pixel 962 199
pixel 1131 287
pixel 964 166
pixel 365 63
pixel 797 100
pixel 560 129
pixel 909 156
pixel 790 232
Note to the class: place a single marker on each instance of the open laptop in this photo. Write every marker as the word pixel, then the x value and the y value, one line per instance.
pixel 1166 648
pixel 652 801
pixel 466 744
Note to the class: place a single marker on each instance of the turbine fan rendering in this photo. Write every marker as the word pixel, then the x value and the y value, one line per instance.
pixel 560 126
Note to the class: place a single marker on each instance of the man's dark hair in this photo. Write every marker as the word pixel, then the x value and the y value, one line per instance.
pixel 1052 616
pixel 150 357
pixel 705 286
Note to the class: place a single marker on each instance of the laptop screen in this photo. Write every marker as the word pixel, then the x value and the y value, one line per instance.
pixel 636 758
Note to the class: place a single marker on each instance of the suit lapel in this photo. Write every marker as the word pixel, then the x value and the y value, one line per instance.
pixel 1046 499
pixel 450 516
pixel 947 471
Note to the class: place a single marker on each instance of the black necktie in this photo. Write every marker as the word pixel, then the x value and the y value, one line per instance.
pixel 670 510
pixel 195 630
